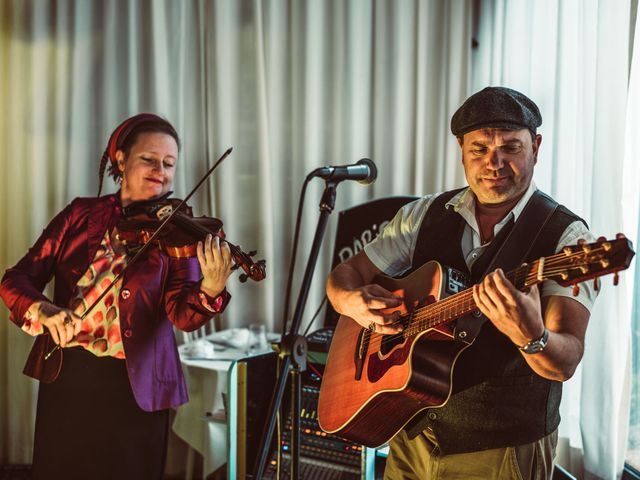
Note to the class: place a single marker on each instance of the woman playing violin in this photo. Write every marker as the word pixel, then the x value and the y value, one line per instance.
pixel 103 411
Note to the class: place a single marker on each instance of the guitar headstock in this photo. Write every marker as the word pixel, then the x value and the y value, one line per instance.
pixel 588 260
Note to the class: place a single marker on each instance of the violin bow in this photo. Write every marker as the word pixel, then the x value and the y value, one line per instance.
pixel 145 246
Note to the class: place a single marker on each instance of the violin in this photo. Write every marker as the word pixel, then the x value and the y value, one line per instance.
pixel 169 224
pixel 180 237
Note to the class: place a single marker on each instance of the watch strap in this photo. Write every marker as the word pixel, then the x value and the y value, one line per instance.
pixel 537 345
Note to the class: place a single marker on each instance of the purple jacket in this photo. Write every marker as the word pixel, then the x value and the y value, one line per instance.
pixel 157 293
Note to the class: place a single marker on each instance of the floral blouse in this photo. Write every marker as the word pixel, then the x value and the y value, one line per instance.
pixel 100 333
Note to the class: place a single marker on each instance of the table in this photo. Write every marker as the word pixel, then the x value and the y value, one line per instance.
pixel 206 381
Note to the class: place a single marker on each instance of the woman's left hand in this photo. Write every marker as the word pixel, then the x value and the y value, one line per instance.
pixel 216 264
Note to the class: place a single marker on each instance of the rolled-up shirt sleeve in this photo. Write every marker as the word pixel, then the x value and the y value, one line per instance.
pixel 392 250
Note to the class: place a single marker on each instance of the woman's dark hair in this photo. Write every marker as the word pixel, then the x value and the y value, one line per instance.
pixel 126 135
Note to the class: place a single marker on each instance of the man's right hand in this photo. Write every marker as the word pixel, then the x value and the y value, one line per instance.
pixel 62 323
pixel 352 293
pixel 365 305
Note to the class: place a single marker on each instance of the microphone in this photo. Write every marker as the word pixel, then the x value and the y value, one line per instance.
pixel 364 171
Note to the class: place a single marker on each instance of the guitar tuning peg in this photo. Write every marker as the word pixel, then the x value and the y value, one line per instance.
pixel 616 278
pixel 243 278
pixel 582 243
pixel 596 284
pixel 576 290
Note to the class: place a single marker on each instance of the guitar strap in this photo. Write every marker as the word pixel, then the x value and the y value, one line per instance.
pixel 514 250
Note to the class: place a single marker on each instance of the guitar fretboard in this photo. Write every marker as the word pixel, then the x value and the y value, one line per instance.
pixel 462 303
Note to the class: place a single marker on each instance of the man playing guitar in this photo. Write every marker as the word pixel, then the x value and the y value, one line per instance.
pixel 501 418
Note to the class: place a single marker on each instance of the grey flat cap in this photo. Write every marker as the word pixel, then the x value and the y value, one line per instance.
pixel 496 107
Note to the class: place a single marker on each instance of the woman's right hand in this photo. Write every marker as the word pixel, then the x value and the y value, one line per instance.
pixel 62 323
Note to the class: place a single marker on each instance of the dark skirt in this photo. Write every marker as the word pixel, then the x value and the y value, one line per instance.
pixel 88 424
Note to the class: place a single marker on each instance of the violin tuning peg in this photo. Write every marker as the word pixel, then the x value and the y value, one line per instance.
pixel 620 236
pixel 252 253
pixel 235 267
pixel 243 278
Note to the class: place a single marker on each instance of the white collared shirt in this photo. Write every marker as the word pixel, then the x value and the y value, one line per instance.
pixel 392 251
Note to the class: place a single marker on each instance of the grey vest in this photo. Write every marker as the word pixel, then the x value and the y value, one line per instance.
pixel 497 400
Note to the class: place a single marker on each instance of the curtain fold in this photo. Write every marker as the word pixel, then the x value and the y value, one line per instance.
pixel 290 85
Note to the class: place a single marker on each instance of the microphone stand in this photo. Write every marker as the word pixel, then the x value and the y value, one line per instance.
pixel 293 351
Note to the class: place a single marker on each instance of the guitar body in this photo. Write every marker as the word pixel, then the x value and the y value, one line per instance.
pixel 369 402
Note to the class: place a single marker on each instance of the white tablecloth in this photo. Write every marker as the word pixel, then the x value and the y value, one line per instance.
pixel 206 381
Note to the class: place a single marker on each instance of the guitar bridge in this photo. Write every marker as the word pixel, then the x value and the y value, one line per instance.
pixel 362 347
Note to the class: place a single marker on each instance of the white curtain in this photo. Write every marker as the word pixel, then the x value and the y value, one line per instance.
pixel 291 85
pixel 631 219
pixel 572 57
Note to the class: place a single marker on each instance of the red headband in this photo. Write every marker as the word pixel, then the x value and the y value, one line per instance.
pixel 121 133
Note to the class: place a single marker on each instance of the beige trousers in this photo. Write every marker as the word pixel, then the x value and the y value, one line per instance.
pixel 420 459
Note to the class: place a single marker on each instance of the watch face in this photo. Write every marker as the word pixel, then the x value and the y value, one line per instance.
pixel 533 348
pixel 538 345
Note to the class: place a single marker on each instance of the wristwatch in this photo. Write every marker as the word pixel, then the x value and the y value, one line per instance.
pixel 536 346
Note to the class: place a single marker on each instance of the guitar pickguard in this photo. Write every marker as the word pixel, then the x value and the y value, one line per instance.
pixel 396 349
pixel 378 365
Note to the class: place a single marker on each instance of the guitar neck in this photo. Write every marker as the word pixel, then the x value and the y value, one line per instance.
pixel 570 266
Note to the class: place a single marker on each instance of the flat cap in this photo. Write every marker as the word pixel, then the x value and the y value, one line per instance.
pixel 496 107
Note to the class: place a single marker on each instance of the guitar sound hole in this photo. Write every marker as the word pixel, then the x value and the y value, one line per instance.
pixel 389 342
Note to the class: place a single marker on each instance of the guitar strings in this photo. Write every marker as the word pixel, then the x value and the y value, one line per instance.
pixel 529 280
pixel 430 315
pixel 451 310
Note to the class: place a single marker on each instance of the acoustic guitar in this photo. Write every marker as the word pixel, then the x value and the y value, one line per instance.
pixel 374 384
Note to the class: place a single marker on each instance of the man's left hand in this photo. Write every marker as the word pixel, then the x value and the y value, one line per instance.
pixel 514 313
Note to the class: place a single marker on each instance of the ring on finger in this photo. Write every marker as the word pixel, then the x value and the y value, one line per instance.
pixel 372 327
pixel 67 321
